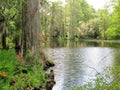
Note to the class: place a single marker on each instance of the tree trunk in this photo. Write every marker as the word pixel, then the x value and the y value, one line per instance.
pixel 3 34
pixel 17 42
pixel 4 46
pixel 31 26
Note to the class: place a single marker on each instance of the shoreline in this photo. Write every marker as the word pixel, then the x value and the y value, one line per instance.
pixel 95 40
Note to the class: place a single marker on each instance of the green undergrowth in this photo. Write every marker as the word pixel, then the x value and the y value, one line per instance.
pixel 20 73
pixel 108 80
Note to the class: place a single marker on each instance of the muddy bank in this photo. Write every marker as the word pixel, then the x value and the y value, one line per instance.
pixel 49 74
pixel 47 64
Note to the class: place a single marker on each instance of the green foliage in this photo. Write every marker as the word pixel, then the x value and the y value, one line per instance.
pixel 8 59
pixel 16 72
pixel 79 18
pixel 11 13
pixel 113 31
pixel 7 64
pixel 59 20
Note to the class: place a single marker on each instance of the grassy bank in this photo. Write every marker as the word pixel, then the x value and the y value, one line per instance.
pixel 24 73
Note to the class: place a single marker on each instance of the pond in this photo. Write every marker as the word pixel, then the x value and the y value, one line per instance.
pixel 76 63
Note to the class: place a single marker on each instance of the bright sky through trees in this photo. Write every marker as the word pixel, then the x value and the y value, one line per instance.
pixel 97 4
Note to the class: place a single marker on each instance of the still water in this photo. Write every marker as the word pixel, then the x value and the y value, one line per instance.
pixel 76 63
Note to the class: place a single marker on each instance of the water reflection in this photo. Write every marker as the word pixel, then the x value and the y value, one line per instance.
pixel 76 63
pixel 54 43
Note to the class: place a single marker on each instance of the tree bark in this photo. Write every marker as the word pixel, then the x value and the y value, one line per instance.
pixel 3 34
pixel 31 26
pixel 4 46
